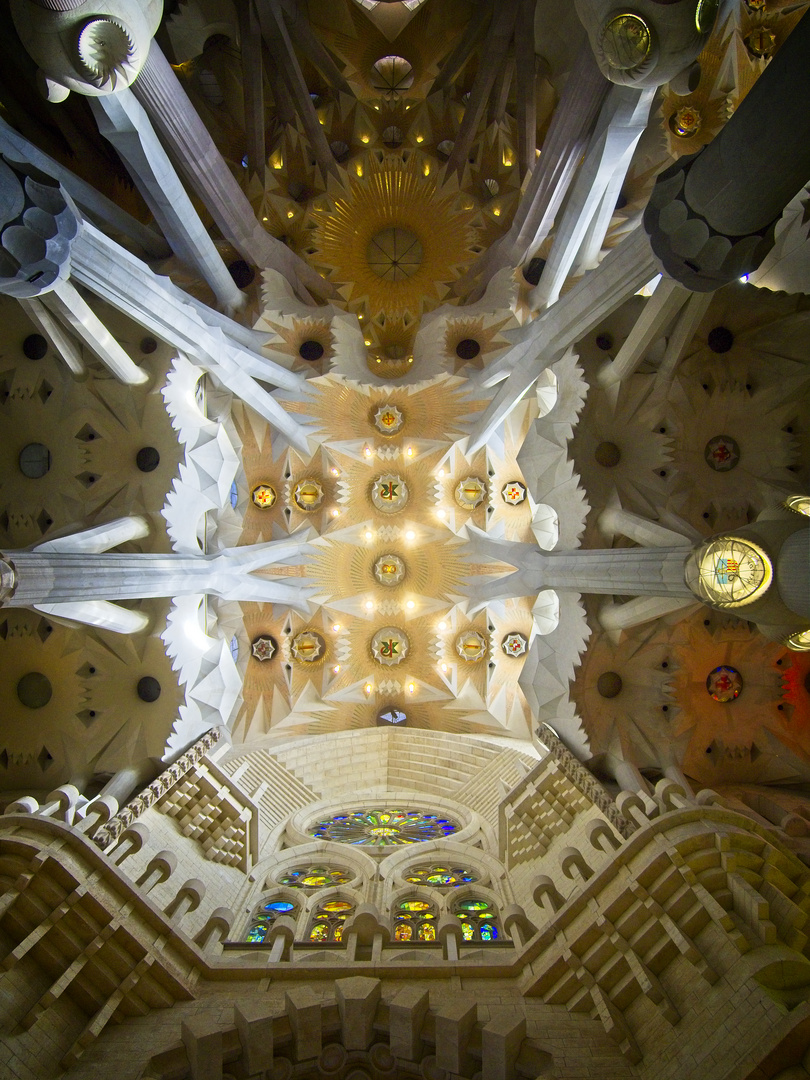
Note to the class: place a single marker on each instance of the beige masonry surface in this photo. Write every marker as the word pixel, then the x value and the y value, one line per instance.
pixel 675 950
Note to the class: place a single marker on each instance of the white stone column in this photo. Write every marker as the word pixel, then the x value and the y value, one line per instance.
pixel 541 342
pixel 127 782
pixel 53 578
pixel 648 533
pixel 71 308
pixel 159 91
pixel 95 205
pixel 585 91
pixel 117 276
pixel 623 118
pixel 617 617
pixel 492 57
pixel 124 124
pixel 47 323
pixel 653 572
pixel 659 310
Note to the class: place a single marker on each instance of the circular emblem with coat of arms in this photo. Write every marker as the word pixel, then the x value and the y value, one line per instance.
pixel 307 647
pixel 514 493
pixel 514 644
pixel 722 453
pixel 470 492
pixel 389 493
pixel 388 420
pixel 389 646
pixel 389 570
pixel 724 683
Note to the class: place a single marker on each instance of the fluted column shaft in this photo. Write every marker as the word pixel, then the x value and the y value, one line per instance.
pixel 623 270
pixel 124 123
pixel 63 576
pixel 52 578
pixel 623 571
pixel 159 91
pixel 552 173
pixel 116 276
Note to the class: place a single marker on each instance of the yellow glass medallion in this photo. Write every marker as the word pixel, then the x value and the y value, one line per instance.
pixel 308 495
pixel 263 496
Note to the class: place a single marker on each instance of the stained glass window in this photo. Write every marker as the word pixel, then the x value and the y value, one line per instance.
pixel 800 504
pixel 414 920
pixel 329 920
pixel 378 827
pixel 265 915
pixel 314 877
pixel 729 572
pixel 441 877
pixel 626 42
pixel 479 919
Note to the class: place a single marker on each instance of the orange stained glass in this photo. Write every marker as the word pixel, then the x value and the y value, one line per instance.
pixel 336 905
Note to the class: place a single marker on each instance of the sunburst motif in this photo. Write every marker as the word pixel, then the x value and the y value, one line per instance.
pixel 309 342
pixel 394 192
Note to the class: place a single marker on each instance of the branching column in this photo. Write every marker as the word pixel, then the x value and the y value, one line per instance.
pixel 159 91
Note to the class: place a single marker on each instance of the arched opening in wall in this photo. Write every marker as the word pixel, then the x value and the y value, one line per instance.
pixel 392 76
pixel 441 876
pixel 265 914
pixel 478 918
pixel 414 920
pixel 329 920
pixel 314 877
pixel 204 71
pixel 393 136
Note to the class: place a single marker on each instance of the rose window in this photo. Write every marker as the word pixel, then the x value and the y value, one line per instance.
pixel 376 828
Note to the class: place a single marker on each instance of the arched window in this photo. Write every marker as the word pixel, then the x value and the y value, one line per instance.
pixel 441 877
pixel 392 76
pixel 265 915
pixel 329 919
pixel 314 877
pixel 414 920
pixel 479 919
